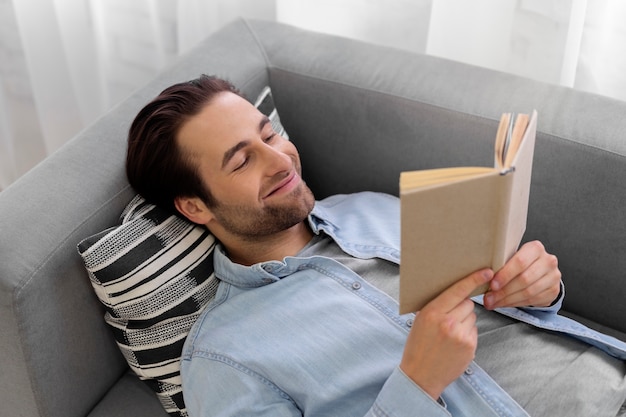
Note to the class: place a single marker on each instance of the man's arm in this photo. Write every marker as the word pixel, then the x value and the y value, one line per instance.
pixel 219 388
pixel 443 339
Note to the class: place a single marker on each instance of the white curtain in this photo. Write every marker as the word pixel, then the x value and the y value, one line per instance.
pixel 63 63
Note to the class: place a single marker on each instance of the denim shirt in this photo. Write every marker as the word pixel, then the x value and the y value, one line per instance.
pixel 321 341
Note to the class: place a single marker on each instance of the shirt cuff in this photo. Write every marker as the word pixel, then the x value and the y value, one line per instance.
pixel 401 396
pixel 555 306
pixel 552 308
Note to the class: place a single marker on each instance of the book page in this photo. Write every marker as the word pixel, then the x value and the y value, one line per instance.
pixel 501 139
pixel 428 177
pixel 521 123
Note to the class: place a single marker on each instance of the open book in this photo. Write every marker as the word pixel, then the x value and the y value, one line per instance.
pixel 455 221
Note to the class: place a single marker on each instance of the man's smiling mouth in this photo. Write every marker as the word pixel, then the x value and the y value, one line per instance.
pixel 284 186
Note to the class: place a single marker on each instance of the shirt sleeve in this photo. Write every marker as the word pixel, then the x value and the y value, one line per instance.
pixel 401 396
pixel 220 388
pixel 217 388
pixel 554 307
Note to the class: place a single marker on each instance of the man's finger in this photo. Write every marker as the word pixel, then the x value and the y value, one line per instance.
pixel 527 255
pixel 462 289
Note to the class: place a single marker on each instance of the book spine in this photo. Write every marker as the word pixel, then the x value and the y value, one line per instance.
pixel 505 234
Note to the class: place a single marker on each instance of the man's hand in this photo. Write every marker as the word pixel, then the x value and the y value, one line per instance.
pixel 443 339
pixel 530 278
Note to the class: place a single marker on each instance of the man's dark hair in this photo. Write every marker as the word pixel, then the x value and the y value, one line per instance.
pixel 156 167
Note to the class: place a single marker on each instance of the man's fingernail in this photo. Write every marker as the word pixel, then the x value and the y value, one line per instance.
pixel 488 299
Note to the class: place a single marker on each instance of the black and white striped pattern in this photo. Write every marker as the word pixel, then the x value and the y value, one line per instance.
pixel 265 104
pixel 154 275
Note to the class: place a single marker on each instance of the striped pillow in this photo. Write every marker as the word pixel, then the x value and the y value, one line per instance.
pixel 265 103
pixel 154 275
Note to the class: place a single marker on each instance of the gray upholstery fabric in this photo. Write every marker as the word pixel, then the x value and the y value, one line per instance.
pixel 359 114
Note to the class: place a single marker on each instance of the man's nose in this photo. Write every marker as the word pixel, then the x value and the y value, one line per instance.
pixel 277 161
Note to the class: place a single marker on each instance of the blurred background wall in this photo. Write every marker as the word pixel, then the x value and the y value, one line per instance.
pixel 63 63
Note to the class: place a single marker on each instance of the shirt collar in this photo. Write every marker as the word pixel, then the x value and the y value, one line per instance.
pixel 264 273
pixel 320 220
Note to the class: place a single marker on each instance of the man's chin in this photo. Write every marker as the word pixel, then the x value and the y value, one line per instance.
pixel 305 193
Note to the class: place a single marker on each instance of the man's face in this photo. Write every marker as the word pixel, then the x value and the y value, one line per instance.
pixel 253 174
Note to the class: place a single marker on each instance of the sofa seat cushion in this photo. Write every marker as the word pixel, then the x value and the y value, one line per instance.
pixel 132 396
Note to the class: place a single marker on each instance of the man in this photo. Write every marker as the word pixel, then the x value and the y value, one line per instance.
pixel 303 322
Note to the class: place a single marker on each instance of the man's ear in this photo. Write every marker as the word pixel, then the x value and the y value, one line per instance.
pixel 193 209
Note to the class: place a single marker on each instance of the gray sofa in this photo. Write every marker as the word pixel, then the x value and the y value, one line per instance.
pixel 359 115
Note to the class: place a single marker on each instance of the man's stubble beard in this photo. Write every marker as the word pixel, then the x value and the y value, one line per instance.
pixel 251 223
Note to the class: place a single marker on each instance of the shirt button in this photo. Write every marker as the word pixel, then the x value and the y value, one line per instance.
pixel 356 285
pixel 409 322
pixel 469 371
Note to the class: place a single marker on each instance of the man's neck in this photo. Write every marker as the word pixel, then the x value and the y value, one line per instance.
pixel 271 248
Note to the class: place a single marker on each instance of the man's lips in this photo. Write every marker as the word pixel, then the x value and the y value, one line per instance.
pixel 285 186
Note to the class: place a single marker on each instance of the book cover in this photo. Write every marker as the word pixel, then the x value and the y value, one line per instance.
pixel 455 221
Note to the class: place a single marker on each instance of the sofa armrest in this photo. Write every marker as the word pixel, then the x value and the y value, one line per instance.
pixel 58 357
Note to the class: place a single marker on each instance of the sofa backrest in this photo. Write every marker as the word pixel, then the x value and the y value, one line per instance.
pixel 359 119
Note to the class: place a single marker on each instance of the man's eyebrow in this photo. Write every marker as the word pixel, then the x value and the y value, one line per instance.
pixel 228 155
pixel 265 120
